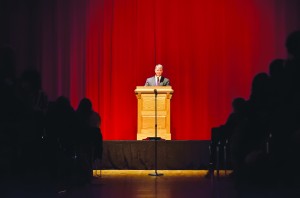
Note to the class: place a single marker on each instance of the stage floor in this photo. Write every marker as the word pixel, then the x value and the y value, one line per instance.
pixel 140 155
pixel 138 184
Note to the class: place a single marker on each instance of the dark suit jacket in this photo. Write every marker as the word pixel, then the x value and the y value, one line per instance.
pixel 152 81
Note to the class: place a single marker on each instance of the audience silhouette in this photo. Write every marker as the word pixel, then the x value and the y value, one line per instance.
pixel 48 141
pixel 90 136
pixel 265 141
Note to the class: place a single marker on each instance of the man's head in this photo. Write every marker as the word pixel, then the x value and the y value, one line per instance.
pixel 158 70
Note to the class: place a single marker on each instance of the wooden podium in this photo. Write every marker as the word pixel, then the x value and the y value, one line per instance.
pixel 146 111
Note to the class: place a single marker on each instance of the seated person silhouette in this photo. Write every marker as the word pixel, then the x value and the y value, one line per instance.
pixel 221 135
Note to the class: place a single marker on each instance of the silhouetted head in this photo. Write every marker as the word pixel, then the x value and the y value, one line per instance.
pixel 238 104
pixel 85 105
pixel 276 68
pixel 260 81
pixel 62 102
pixel 293 44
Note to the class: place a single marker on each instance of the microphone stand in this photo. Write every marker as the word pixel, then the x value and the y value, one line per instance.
pixel 155 139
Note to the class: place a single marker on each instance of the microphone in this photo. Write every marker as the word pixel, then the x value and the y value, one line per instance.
pixel 155 91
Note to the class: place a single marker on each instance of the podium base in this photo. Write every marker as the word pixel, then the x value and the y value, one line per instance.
pixel 154 138
pixel 156 174
pixel 146 136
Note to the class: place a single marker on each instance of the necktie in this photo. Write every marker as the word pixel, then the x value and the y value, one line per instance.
pixel 157 82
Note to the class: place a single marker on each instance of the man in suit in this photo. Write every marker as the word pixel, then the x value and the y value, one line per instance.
pixel 158 79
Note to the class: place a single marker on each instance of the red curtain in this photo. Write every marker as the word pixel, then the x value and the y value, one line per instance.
pixel 210 50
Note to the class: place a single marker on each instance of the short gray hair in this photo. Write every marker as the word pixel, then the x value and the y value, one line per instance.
pixel 159 66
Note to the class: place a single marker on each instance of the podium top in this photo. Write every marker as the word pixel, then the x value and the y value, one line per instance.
pixel 150 89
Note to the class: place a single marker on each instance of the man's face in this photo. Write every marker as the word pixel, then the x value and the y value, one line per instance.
pixel 158 71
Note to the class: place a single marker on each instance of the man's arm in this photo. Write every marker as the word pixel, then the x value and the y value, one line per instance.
pixel 167 82
pixel 147 82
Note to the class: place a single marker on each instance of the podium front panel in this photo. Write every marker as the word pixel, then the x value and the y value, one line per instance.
pixel 146 112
